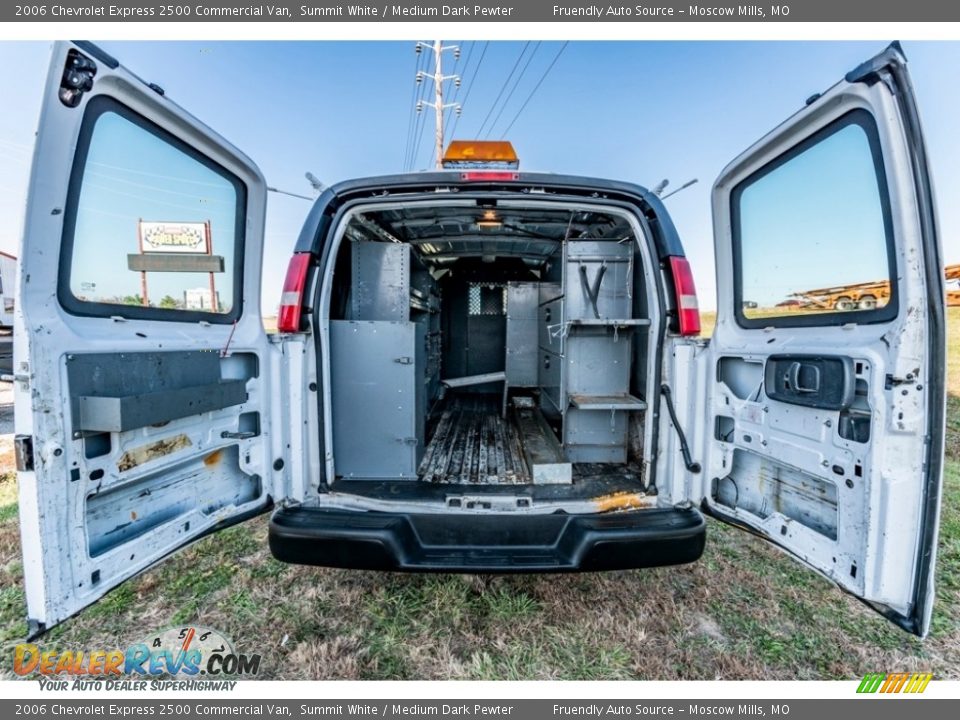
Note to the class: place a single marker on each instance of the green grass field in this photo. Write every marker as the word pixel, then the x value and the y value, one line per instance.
pixel 745 611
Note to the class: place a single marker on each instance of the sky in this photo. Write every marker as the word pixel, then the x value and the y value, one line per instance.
pixel 634 111
pixel 824 209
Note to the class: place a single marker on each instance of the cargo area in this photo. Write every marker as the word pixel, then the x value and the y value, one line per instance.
pixel 489 346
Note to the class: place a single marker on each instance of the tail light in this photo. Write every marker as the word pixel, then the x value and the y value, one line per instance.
pixel 688 310
pixel 289 319
pixel 489 176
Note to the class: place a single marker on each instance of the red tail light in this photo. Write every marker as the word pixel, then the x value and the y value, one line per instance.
pixel 487 175
pixel 688 310
pixel 291 302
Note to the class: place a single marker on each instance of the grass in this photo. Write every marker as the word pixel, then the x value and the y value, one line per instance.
pixel 745 611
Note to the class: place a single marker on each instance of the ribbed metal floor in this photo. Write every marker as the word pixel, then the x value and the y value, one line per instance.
pixel 472 444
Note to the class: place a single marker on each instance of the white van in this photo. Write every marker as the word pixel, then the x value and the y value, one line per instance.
pixel 477 370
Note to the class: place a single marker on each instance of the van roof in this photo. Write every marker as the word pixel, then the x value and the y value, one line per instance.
pixel 406 184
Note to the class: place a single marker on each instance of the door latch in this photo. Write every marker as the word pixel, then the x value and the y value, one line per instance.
pixel 404 360
pixel 804 379
pixel 23 452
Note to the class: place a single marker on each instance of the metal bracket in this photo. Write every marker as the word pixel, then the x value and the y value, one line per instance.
pixel 237 435
pixel 592 290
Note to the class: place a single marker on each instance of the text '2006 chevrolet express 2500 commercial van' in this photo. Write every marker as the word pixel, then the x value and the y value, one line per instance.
pixel 477 370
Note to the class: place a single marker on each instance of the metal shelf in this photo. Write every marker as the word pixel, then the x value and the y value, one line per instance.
pixel 607 402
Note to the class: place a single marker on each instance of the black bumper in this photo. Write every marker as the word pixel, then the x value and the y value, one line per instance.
pixel 487 543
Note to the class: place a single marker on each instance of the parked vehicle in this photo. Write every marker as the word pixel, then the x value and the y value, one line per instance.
pixel 8 275
pixel 952 275
pixel 864 295
pixel 477 370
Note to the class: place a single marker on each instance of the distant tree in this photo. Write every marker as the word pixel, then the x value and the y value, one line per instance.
pixel 169 302
pixel 132 300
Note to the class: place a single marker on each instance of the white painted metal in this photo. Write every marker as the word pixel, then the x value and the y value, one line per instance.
pixel 879 515
pixel 61 575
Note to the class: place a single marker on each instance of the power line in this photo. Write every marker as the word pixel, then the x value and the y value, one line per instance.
pixel 153 175
pixel 456 89
pixel 418 121
pixel 418 130
pixel 416 118
pixel 513 89
pixel 473 81
pixel 504 87
pixel 15 146
pixel 155 188
pixel 411 120
pixel 536 87
pixel 419 139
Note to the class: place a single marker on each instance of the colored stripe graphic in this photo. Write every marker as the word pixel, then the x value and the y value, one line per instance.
pixel 894 682
pixel 871 683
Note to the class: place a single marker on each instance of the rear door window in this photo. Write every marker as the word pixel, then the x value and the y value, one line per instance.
pixel 152 226
pixel 813 234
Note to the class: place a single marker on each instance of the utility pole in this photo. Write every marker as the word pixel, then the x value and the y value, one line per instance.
pixel 438 79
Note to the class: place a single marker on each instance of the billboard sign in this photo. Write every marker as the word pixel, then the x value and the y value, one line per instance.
pixel 174 237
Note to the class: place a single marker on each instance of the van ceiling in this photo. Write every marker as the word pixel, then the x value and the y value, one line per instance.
pixel 442 234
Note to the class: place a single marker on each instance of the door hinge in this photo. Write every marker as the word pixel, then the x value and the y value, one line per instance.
pixel 77 78
pixel 23 452
pixel 23 377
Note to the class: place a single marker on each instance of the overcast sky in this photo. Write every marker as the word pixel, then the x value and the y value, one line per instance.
pixel 635 111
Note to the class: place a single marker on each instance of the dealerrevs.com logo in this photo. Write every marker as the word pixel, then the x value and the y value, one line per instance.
pixel 175 652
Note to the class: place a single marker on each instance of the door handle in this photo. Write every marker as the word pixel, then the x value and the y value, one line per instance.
pixel 813 375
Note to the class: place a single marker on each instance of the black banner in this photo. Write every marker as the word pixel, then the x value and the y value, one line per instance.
pixel 486 11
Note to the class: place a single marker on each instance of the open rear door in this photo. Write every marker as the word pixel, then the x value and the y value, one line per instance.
pixel 142 406
pixel 827 378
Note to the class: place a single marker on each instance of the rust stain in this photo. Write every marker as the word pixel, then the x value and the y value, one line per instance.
pixel 138 456
pixel 133 514
pixel 622 500
pixel 213 458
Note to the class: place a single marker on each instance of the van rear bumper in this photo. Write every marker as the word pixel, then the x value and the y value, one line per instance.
pixel 487 543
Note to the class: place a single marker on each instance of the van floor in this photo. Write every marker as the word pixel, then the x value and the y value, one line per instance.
pixel 473 444
pixel 473 449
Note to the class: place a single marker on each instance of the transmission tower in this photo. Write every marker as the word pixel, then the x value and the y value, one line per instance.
pixel 438 79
